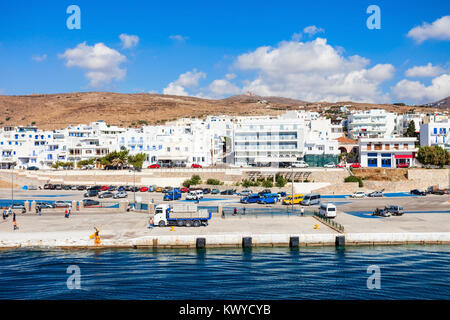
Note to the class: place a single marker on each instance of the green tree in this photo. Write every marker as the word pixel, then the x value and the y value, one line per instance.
pixel 137 160
pixel 433 155
pixel 411 131
pixel 268 183
pixel 280 181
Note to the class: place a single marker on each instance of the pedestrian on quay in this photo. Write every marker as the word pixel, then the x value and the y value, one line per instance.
pixel 70 209
pixel 243 211
pixel 37 209
pixel 4 214
pixel 66 213
pixel 150 223
pixel 15 222
pixel 235 211
pixel 302 211
pixel 40 210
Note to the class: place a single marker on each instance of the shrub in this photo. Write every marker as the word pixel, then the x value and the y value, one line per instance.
pixel 187 183
pixel 281 181
pixel 354 179
pixel 267 183
pixel 248 183
pixel 214 182
pixel 195 179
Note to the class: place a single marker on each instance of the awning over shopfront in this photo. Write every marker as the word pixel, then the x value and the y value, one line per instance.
pixel 404 156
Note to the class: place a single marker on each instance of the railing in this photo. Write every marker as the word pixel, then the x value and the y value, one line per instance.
pixel 331 223
pixel 228 212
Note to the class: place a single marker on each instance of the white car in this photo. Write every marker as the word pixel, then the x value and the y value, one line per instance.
pixel 358 194
pixel 194 195
pixel 330 165
pixel 300 164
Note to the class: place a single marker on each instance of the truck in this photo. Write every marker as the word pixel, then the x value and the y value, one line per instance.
pixel 180 214
pixel 174 194
pixel 435 190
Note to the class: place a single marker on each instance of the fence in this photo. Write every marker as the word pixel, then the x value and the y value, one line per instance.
pixel 265 212
pixel 331 223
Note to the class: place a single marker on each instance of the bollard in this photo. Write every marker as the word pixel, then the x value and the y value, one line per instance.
pixel 340 241
pixel 246 242
pixel 200 243
pixel 294 242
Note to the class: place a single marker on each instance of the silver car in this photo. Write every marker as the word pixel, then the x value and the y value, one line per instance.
pixel 120 194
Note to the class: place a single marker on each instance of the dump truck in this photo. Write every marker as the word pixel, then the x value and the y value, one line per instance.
pixel 180 214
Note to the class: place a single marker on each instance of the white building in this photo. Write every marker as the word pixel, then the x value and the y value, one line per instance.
pixel 387 152
pixel 435 134
pixel 371 124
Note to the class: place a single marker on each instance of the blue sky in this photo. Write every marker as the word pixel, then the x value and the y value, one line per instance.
pixel 219 48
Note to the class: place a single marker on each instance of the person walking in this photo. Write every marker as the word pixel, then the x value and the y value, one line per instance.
pixel 150 223
pixel 243 211
pixel 15 222
pixel 70 210
pixel 66 213
pixel 302 211
pixel 40 210
pixel 4 214
pixel 235 211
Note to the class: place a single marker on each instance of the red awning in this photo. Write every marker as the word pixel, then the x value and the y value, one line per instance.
pixel 403 156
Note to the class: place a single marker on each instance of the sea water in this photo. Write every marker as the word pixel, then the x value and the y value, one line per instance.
pixel 405 272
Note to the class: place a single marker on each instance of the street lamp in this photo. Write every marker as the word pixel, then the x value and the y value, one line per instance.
pixel 12 186
pixel 292 187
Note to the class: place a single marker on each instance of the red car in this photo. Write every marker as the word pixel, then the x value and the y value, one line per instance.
pixel 340 165
pixel 194 165
pixel 105 188
pixel 403 165
pixel 356 165
pixel 143 189
pixel 154 166
pixel 184 190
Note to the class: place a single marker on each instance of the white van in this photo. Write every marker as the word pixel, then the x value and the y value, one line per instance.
pixel 327 210
pixel 194 195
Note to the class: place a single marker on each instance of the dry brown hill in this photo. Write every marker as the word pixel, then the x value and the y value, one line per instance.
pixel 55 111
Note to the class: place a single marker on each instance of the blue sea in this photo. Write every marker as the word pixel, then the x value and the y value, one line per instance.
pixel 405 272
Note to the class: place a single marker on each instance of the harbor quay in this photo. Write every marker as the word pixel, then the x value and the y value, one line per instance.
pixel 425 221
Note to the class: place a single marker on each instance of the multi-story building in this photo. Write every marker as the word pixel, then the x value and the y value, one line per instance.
pixel 435 134
pixel 387 152
pixel 372 123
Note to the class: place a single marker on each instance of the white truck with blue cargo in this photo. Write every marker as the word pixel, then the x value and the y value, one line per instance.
pixel 180 214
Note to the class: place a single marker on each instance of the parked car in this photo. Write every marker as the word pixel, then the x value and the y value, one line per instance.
pixel 81 188
pixel 34 168
pixel 215 191
pixel 300 164
pixel 358 194
pixel 154 166
pixel 166 189
pixel 376 194
pixel 282 194
pixel 44 205
pixel 403 165
pixel 90 202
pixel 120 195
pixel 252 198
pixel 265 191
pixel 158 189
pixel 127 188
pixel 74 187
pixel 58 187
pixel 112 188
pixel 107 194
pixel 228 192
pixel 341 165
pixel 104 188
pixel 311 199
pixel 206 190
pixel 245 193
pixel 330 165
pixel 91 193
pixel 395 210
pixel 143 189
pixel 121 188
pixel 417 192
pixel 67 187
pixel 46 186
pixel 18 206
pixel 184 189
pixel 381 213
pixel 269 198
pixel 61 204
pixel 194 195
pixel 195 165
pixel 355 165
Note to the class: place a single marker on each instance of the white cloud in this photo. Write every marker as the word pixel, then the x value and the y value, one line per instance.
pixel 230 76
pixel 312 30
pixel 439 30
pixel 128 41
pixel 223 87
pixel 178 37
pixel 39 58
pixel 424 71
pixel 101 62
pixel 188 79
pixel 420 93
pixel 297 36
pixel 313 71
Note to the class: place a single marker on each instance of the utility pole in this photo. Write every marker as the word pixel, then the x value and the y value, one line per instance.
pixel 292 187
pixel 12 186
pixel 134 186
